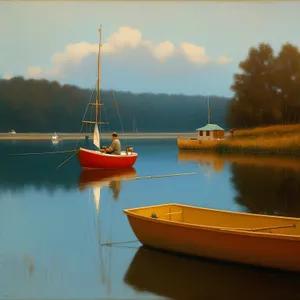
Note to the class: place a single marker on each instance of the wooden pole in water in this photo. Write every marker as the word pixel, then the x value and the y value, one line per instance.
pixel 66 160
pixel 161 176
pixel 39 153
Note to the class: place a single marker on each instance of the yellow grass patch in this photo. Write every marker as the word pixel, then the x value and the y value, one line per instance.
pixel 271 139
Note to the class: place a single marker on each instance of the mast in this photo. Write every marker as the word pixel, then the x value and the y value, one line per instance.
pixel 99 77
pixel 97 104
pixel 208 111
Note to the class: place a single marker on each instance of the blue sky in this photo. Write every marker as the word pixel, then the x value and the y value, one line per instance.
pixel 161 47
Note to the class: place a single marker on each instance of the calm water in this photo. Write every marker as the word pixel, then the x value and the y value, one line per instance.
pixel 51 225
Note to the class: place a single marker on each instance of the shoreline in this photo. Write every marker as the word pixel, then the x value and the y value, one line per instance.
pixel 256 145
pixel 78 136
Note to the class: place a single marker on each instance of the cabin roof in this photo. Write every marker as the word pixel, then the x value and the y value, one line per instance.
pixel 210 127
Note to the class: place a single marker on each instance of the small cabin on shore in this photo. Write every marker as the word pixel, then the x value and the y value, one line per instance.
pixel 210 132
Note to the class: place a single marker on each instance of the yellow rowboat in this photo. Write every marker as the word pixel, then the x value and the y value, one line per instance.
pixel 266 241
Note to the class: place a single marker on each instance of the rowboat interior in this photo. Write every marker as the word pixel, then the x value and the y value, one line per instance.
pixel 213 219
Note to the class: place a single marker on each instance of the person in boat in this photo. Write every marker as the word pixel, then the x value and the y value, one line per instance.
pixel 115 147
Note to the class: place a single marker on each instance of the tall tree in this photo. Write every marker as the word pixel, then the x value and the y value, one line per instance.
pixel 253 102
pixel 267 91
pixel 287 82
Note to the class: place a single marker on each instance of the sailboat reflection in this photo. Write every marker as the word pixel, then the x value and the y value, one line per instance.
pixel 95 180
pixel 182 278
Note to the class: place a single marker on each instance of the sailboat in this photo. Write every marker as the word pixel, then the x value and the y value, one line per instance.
pixel 134 126
pixel 55 138
pixel 97 159
pixel 11 131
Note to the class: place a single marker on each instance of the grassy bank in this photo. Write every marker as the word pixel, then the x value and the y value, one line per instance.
pixel 280 139
pixel 269 132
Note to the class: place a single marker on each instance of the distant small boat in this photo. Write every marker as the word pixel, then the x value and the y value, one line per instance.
pixel 12 131
pixel 55 138
pixel 265 241
pixel 135 129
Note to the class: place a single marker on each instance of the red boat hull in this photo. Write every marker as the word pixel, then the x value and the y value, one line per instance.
pixel 90 159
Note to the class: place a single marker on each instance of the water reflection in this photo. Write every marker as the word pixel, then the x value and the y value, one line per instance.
pixel 50 247
pixel 183 278
pixel 96 179
pixel 18 173
pixel 218 161
pixel 264 184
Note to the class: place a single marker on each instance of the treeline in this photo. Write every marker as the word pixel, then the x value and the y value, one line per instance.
pixel 267 91
pixel 44 106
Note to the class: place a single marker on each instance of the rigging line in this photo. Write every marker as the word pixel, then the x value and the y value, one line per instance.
pixel 116 105
pixel 89 130
pixel 105 114
pixel 110 250
pixel 99 78
pixel 86 112
pixel 66 160
pixel 89 103
pixel 89 126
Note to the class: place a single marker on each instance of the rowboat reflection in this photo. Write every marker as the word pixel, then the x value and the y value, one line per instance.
pixel 182 278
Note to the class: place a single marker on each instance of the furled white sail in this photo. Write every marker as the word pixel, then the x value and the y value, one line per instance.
pixel 96 137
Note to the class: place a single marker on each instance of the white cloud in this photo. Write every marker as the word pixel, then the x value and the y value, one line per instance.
pixel 125 37
pixel 194 53
pixel 7 76
pixel 34 72
pixel 74 53
pixel 116 44
pixel 164 50
pixel 224 60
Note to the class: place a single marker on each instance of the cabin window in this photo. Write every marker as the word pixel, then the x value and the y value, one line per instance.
pixel 201 133
pixel 207 133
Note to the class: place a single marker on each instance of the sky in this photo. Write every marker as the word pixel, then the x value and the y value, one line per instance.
pixel 161 47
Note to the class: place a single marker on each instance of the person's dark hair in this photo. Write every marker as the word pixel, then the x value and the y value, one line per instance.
pixel 114 134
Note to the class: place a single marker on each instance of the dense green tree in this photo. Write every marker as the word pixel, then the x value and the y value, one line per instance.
pixel 267 91
pixel 287 83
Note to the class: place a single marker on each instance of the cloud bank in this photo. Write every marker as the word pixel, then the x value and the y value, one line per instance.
pixel 7 76
pixel 118 44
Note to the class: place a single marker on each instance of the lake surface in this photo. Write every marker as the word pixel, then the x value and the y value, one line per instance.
pixel 52 226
